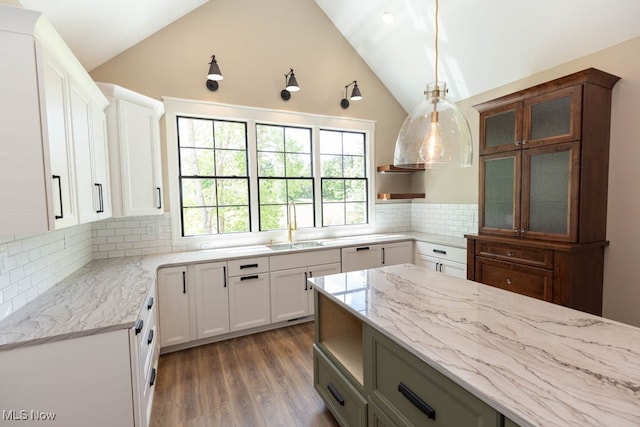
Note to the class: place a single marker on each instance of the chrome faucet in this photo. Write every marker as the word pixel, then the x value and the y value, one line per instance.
pixel 292 222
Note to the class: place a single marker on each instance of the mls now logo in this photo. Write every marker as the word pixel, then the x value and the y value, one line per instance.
pixel 23 415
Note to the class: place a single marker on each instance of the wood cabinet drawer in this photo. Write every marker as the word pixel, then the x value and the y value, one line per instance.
pixel 412 393
pixel 442 251
pixel 344 401
pixel 530 281
pixel 239 267
pixel 524 255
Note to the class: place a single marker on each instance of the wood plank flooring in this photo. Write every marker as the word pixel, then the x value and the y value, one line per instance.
pixel 264 379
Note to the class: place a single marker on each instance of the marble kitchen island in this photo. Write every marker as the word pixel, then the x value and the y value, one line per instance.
pixel 512 359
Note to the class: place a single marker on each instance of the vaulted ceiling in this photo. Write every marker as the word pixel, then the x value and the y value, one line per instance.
pixel 483 44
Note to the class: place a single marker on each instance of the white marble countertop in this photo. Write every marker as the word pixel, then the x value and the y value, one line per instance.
pixel 108 294
pixel 537 363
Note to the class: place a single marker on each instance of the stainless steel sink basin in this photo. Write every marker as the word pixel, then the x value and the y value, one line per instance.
pixel 295 245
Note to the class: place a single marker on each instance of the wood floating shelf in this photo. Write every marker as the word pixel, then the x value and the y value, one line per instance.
pixel 395 196
pixel 419 167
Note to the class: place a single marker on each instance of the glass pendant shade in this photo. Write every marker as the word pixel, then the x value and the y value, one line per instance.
pixel 435 134
pixel 214 70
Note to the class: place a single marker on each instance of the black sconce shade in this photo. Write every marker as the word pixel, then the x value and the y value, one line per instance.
pixel 355 94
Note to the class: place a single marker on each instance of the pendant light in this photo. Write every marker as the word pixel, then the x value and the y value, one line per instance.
pixel 436 133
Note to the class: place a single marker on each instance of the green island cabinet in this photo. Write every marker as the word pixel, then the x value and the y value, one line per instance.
pixel 366 379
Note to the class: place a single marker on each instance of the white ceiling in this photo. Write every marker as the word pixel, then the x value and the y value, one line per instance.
pixel 98 30
pixel 483 43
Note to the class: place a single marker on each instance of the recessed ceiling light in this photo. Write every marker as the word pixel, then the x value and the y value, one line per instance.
pixel 387 18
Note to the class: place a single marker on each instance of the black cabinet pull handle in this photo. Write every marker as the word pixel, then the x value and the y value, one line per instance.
pixel 382 256
pixel 100 198
pixel 159 197
pixel 439 251
pixel 224 275
pixel 184 282
pixel 152 380
pixel 243 278
pixel 139 325
pixel 417 401
pixel 150 337
pixel 150 303
pixel 59 196
pixel 306 276
pixel 363 248
pixel 242 267
pixel 336 394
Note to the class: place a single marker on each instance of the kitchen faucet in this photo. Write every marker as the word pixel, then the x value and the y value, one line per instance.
pixel 292 222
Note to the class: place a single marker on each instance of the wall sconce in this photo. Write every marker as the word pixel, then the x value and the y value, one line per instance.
pixel 291 85
pixel 355 95
pixel 214 75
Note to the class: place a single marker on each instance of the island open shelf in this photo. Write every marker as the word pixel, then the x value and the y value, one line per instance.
pixel 341 334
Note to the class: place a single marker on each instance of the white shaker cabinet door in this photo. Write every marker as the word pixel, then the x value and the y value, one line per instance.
pixel 60 144
pixel 397 253
pixel 101 184
pixel 211 299
pixel 140 159
pixel 82 139
pixel 173 306
pixel 289 294
pixel 249 301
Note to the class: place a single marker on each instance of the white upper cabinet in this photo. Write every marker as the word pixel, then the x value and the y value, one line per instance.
pixel 46 108
pixel 134 149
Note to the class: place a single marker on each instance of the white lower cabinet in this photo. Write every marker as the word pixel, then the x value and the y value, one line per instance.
pixel 101 380
pixel 193 302
pixel 249 301
pixel 291 295
pixel 212 299
pixel 379 255
pixel 442 258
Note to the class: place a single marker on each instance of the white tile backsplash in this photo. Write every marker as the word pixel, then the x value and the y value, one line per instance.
pixel 36 262
pixel 447 219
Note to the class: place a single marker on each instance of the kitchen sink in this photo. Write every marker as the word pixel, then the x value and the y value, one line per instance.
pixel 295 245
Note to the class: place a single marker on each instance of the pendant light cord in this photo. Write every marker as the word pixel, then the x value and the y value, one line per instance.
pixel 437 44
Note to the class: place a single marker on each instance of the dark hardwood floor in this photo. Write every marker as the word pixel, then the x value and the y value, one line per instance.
pixel 264 379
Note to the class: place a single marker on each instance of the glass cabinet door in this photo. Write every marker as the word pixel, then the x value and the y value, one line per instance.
pixel 552 118
pixel 501 128
pixel 550 192
pixel 500 193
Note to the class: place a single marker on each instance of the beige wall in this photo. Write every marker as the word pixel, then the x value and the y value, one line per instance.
pixel 622 257
pixel 255 43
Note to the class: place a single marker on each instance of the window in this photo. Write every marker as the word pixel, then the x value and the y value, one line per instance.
pixel 344 181
pixel 214 183
pixel 236 170
pixel 285 175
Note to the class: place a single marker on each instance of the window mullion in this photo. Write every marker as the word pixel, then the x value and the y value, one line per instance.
pixel 317 175
pixel 252 149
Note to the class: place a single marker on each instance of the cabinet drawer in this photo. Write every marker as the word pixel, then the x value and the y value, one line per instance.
pixel 442 251
pixel 524 255
pixel 530 281
pixel 304 259
pixel 238 267
pixel 412 393
pixel 344 401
